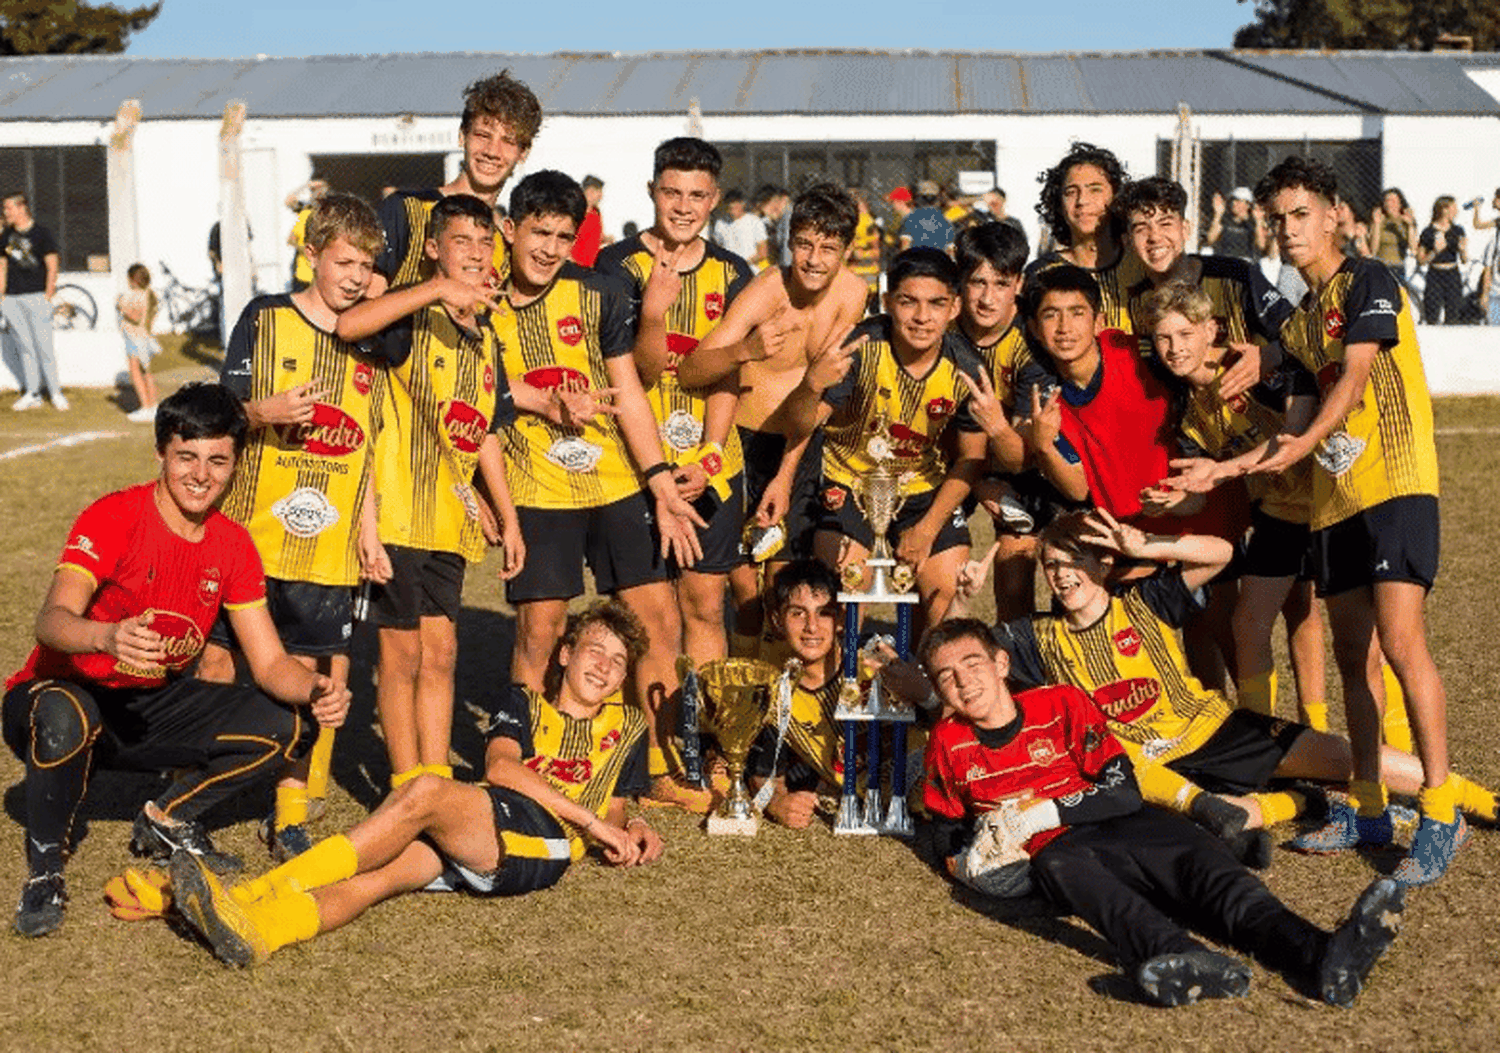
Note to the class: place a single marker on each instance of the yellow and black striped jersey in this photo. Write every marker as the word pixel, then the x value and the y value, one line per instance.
pixel 1004 359
pixel 707 291
pixel 588 761
pixel 563 338
pixel 1131 662
pixel 445 394
pixel 405 215
pixel 1246 307
pixel 1385 447
pixel 1114 281
pixel 918 410
pixel 299 488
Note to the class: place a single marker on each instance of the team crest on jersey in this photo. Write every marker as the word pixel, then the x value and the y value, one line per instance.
pixel 681 430
pixel 1333 323
pixel 833 498
pixel 1239 403
pixel 210 587
pixel 939 408
pixel 1128 700
pixel 489 379
pixel 610 740
pixel 465 426
pixel 305 512
pixel 713 306
pixel 85 544
pixel 679 346
pixel 1042 752
pixel 573 454
pixel 574 771
pixel 548 378
pixel 1337 453
pixel 1128 641
pixel 364 377
pixel 569 330
pixel 181 640
pixel 330 433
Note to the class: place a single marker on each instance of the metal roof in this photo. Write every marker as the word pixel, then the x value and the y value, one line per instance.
pixel 91 87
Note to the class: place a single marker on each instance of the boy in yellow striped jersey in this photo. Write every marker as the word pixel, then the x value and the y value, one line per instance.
pixel 313 401
pixel 447 397
pixel 501 118
pixel 595 488
pixel 559 766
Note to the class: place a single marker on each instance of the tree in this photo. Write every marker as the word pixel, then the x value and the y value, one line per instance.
pixel 66 27
pixel 1385 25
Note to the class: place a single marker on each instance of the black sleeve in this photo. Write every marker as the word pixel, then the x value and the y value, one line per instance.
pixel 742 275
pixel 634 780
pixel 1372 305
pixel 1266 310
pixel 618 310
pixel 392 213
pixel 505 400
pixel 235 373
pixel 1170 599
pixel 1115 794
pixel 952 836
pixel 393 343
pixel 510 718
pixel 1019 640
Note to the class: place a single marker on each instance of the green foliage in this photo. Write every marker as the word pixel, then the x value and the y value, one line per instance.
pixel 1383 25
pixel 66 27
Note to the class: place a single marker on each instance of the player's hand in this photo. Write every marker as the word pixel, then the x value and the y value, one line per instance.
pixel 905 680
pixel 1108 532
pixel 1161 500
pixel 830 363
pixel 514 547
pixel 489 523
pixel 916 543
pixel 1040 430
pixel 329 701
pixel 664 284
pixel 771 337
pixel 691 480
pixel 984 405
pixel 134 641
pixel 1283 452
pixel 463 300
pixel 1245 367
pixel 1195 475
pixel 374 561
pixel 775 502
pixel 650 843
pixel 793 810
pixel 675 521
pixel 577 408
pixel 293 406
pixel 975 572
pixel 620 847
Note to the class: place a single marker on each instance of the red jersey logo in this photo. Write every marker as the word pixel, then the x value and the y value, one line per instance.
pixel 833 498
pixel 364 376
pixel 465 426
pixel 548 377
pixel 1128 700
pixel 712 463
pixel 713 306
pixel 330 433
pixel 907 443
pixel 1239 403
pixel 609 741
pixel 1333 323
pixel 181 639
pixel 210 587
pixel 1042 752
pixel 939 408
pixel 679 346
pixel 1128 641
pixel 574 772
pixel 489 379
pixel 570 330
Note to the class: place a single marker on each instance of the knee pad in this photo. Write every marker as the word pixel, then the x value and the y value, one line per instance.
pixel 61 724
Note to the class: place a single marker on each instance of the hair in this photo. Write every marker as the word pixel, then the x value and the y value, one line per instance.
pixel 922 262
pixel 952 630
pixel 828 209
pixel 1150 195
pixel 1050 207
pixel 1063 277
pixel 615 616
pixel 1441 205
pixel 1293 173
pixel 459 206
pixel 508 101
pixel 201 411
pixel 924 200
pixel 1399 197
pixel 348 217
pixel 592 182
pixel 1000 245
pixel 765 193
pixel 18 195
pixel 1175 297
pixel 732 197
pixel 1066 534
pixel 687 154
pixel 997 190
pixel 547 193
pixel 815 574
pixel 138 270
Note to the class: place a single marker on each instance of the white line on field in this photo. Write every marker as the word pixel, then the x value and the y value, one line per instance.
pixel 1485 430
pixel 78 438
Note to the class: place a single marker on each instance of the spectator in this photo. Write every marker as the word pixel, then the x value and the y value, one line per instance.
pixel 994 204
pixel 773 205
pixel 1489 304
pixel 28 281
pixel 301 201
pixel 741 232
pixel 1442 247
pixel 1392 232
pixel 137 308
pixel 1241 233
pixel 591 230
pixel 925 226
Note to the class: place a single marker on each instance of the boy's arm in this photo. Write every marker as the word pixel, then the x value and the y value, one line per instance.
pixel 1004 441
pixel 662 288
pixel 503 767
pixel 748 332
pixel 61 625
pixel 376 312
pixel 1359 360
pixel 1040 433
pixel 492 471
pixel 1201 557
pixel 279 674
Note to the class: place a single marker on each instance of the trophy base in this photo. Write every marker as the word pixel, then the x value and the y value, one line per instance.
pixel 734 826
pixel 897 821
pixel 850 820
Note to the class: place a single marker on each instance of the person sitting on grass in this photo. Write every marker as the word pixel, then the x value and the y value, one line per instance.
pixel 558 768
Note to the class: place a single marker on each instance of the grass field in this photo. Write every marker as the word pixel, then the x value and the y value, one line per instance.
pixel 789 941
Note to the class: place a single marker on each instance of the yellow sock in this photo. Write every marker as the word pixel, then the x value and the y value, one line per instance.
pixel 1395 728
pixel 291 806
pixel 1440 802
pixel 1161 785
pixel 656 760
pixel 318 767
pixel 330 860
pixel 443 770
pixel 1474 799
pixel 1368 798
pixel 1314 715
pixel 290 916
pixel 1257 692
pixel 398 778
pixel 1279 807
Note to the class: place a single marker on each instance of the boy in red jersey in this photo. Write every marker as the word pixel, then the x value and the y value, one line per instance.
pixel 141 579
pixel 1050 792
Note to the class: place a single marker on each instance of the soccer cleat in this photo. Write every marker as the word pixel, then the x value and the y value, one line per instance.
pixel 159 840
pixel 213 913
pixel 288 842
pixel 1186 977
pixel 1358 943
pixel 1344 829
pixel 1432 850
pixel 41 908
pixel 671 791
pixel 30 400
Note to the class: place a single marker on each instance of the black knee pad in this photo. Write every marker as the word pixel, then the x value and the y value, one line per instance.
pixel 61 725
pixel 301 734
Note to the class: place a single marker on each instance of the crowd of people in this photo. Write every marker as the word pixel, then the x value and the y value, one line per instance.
pixel 1179 452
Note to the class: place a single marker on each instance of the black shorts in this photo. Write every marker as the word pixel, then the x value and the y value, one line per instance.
pixel 763 452
pixel 840 515
pixel 1242 756
pixel 424 584
pixel 534 850
pixel 723 541
pixel 1274 548
pixel 619 542
pixel 314 620
pixel 1397 540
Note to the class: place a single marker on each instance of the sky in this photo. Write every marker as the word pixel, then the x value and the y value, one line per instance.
pixel 199 29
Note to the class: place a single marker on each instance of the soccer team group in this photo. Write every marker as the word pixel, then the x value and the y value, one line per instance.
pixel 1183 455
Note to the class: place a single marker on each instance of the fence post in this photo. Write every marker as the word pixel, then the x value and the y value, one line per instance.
pixel 234 232
pixel 120 200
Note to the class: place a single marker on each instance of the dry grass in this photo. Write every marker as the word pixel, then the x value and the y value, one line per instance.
pixel 789 941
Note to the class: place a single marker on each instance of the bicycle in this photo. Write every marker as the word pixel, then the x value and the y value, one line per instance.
pixel 190 308
pixel 73 307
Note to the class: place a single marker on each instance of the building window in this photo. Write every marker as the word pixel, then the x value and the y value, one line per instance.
pixel 67 189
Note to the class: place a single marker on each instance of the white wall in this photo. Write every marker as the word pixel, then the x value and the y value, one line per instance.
pixel 1430 156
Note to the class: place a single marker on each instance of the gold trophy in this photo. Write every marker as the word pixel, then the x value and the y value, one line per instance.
pixel 739 694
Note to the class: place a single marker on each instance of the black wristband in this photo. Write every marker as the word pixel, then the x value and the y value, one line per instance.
pixel 655 470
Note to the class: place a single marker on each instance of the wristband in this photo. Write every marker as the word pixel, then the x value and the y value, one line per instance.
pixel 655 470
